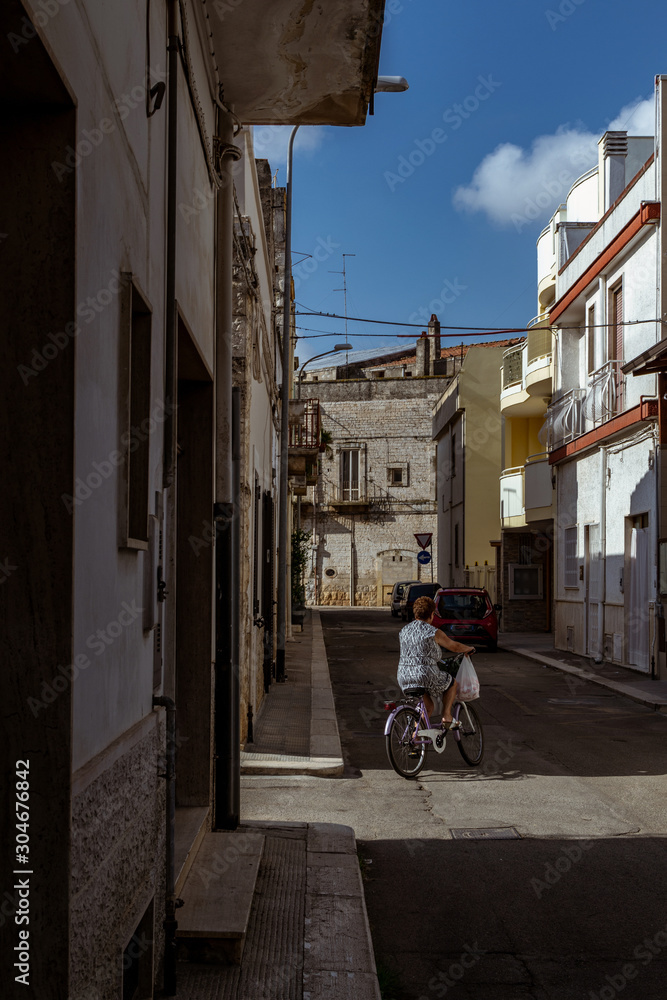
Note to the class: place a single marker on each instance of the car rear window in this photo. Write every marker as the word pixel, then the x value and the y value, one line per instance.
pixel 427 590
pixel 462 607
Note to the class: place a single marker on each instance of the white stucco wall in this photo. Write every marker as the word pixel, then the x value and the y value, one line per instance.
pixel 121 198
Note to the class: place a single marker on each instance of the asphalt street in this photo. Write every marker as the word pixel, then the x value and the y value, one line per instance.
pixel 573 906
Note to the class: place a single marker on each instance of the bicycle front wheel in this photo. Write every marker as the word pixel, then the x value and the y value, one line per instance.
pixel 471 742
pixel 405 755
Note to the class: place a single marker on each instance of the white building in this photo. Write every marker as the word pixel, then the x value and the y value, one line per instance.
pixel 601 255
pixel 123 544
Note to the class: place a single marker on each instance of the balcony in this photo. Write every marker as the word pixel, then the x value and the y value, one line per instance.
pixel 583 410
pixel 512 513
pixel 516 399
pixel 304 434
pixel 538 489
pixel 565 419
pixel 539 358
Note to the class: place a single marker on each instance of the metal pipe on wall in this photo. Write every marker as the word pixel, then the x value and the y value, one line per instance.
pixel 170 923
pixel 226 708
pixel 284 421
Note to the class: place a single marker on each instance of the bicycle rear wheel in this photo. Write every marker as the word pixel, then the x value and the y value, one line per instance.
pixel 471 743
pixel 405 756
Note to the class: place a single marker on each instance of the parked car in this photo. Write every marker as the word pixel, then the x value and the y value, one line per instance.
pixel 467 614
pixel 397 596
pixel 410 595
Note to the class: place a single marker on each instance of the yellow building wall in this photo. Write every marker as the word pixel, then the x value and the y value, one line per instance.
pixel 479 394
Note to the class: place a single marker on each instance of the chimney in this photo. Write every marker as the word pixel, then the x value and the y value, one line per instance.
pixel 423 353
pixel 434 340
pixel 612 151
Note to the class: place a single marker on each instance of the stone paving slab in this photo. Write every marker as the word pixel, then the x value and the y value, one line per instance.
pixel 333 985
pixel 331 838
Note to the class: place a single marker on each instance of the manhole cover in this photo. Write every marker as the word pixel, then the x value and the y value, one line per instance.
pixel 487 833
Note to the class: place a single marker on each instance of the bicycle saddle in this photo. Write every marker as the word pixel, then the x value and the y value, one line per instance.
pixel 414 692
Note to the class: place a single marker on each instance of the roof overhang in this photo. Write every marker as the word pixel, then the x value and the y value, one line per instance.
pixel 650 362
pixel 297 62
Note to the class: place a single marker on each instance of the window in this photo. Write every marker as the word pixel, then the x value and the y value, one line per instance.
pixel 616 322
pixel 349 475
pixel 135 419
pixel 591 339
pixel 453 455
pixel 397 474
pixel 571 564
pixel 525 582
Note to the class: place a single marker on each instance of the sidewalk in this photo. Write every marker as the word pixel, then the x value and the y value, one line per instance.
pixel 284 901
pixel 296 730
pixel 539 647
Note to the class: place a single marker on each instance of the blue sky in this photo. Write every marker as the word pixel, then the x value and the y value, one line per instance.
pixel 447 220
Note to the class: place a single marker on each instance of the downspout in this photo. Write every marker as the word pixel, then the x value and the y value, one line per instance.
pixel 603 558
pixel 173 47
pixel 170 923
pixel 284 421
pixel 226 706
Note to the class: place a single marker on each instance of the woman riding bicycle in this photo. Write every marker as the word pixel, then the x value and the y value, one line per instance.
pixel 418 664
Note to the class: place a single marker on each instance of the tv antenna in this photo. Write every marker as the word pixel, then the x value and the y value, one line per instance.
pixel 344 291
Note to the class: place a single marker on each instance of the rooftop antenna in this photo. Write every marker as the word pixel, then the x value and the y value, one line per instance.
pixel 344 291
pixel 274 182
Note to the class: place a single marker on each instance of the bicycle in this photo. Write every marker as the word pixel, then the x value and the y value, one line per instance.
pixel 408 734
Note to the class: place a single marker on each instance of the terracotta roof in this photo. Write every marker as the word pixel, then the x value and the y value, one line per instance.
pixel 454 351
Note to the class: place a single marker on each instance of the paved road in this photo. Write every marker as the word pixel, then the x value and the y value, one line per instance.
pixel 574 908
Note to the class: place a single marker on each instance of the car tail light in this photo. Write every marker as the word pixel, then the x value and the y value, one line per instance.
pixel 389 706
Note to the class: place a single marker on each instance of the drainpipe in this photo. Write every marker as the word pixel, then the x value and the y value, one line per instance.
pixel 173 46
pixel 170 923
pixel 603 559
pixel 226 704
pixel 352 560
pixel 284 422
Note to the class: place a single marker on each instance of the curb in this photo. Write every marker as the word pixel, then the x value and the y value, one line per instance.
pixel 626 690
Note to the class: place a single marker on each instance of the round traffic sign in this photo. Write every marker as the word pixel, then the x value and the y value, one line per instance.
pixel 423 558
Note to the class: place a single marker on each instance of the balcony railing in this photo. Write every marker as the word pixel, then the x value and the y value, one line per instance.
pixel 605 394
pixel 304 424
pixel 540 318
pixel 538 489
pixel 511 493
pixel 565 418
pixel 513 366
pixel 539 344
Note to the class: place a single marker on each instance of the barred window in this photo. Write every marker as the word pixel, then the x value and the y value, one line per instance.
pixel 571 566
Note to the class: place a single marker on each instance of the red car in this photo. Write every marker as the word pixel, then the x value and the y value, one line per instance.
pixel 467 615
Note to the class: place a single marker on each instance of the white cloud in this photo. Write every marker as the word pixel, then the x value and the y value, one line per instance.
pixel 514 185
pixel 270 143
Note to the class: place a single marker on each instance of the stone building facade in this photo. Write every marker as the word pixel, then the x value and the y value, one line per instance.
pixel 377 480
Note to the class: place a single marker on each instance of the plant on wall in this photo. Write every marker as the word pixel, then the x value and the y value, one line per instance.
pixel 300 554
pixel 326 440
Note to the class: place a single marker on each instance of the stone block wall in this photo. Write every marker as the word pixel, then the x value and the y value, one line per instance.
pixel 117 865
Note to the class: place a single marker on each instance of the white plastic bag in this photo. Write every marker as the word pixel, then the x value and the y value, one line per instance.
pixel 467 680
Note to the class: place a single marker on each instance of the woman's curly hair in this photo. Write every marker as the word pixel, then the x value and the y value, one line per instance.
pixel 423 608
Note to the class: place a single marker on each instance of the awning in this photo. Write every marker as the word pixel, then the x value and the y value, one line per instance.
pixel 297 62
pixel 651 361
